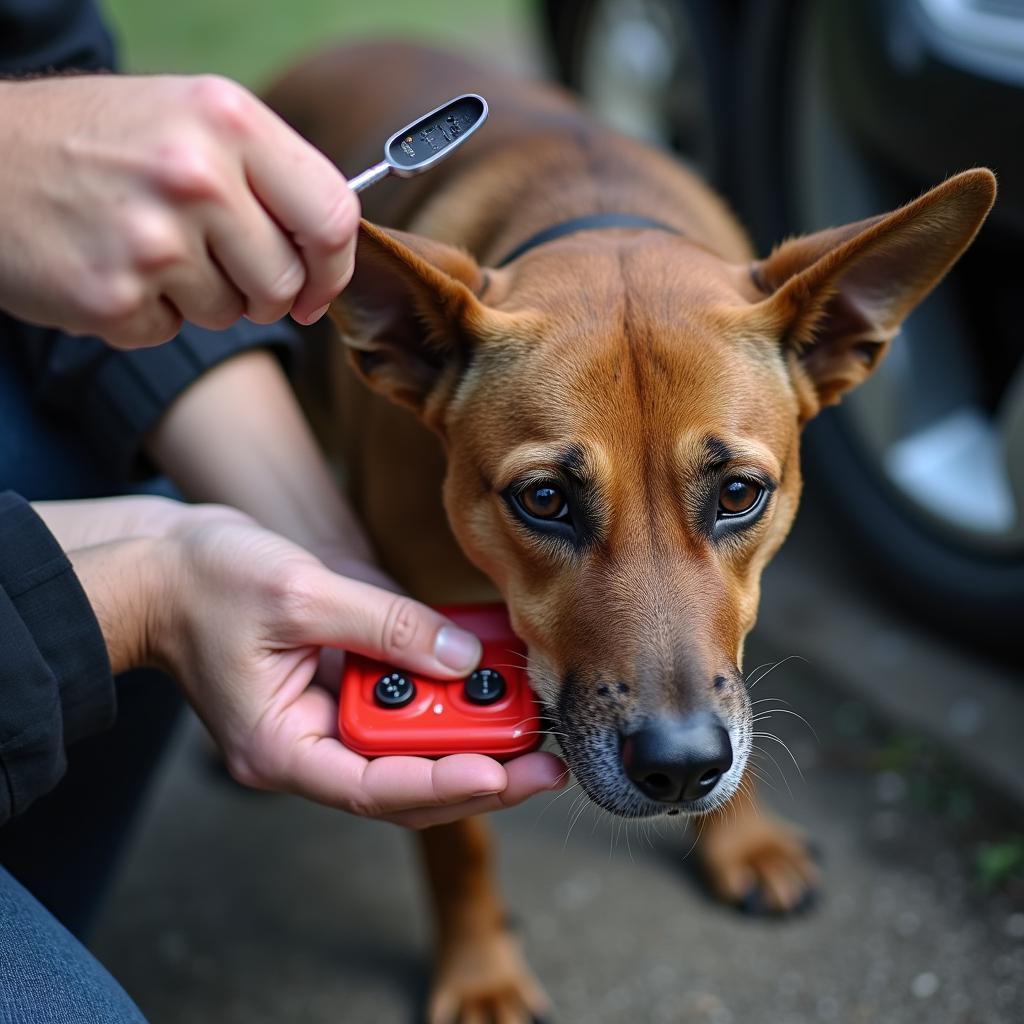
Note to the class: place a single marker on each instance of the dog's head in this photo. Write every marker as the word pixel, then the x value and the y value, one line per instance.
pixel 621 414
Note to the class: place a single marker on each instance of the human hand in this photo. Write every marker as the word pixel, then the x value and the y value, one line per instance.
pixel 239 616
pixel 132 203
pixel 238 437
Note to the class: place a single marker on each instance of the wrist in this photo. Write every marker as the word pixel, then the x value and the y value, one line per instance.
pixel 94 521
pixel 130 586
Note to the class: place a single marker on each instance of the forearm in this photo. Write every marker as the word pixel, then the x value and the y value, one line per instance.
pixel 237 436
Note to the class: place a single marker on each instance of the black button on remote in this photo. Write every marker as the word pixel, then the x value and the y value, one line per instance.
pixel 485 686
pixel 394 690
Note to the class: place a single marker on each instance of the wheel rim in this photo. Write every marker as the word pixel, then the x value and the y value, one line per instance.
pixel 952 461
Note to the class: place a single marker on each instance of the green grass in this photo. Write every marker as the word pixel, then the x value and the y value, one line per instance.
pixel 251 39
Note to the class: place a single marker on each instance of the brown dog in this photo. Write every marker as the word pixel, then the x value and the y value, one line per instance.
pixel 614 417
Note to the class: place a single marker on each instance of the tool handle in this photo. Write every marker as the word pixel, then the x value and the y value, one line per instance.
pixel 370 176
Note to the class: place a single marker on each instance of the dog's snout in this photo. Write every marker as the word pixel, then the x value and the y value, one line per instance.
pixel 677 760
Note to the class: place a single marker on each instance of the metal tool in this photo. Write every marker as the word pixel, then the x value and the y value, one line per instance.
pixel 427 141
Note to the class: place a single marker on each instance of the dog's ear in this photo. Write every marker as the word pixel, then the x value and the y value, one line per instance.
pixel 839 296
pixel 410 316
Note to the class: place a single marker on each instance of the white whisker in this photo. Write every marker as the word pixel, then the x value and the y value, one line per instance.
pixel 764 675
pixel 778 767
pixel 773 737
pixel 585 802
pixel 785 711
pixel 554 800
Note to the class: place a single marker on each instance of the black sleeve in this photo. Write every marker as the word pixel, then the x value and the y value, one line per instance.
pixel 113 398
pixel 55 681
pixel 53 35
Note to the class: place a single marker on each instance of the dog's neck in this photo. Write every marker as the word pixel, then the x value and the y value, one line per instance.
pixel 591 222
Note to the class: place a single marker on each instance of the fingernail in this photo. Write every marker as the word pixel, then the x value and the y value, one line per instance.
pixel 456 649
pixel 316 314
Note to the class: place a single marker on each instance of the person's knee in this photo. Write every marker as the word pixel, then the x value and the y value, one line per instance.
pixel 46 975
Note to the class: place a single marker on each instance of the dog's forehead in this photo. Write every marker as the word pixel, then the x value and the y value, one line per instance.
pixel 657 299
pixel 630 357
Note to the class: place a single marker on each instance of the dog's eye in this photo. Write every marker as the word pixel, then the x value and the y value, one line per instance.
pixel 738 497
pixel 544 501
pixel 549 509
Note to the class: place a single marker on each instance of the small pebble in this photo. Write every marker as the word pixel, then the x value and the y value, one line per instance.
pixel 925 985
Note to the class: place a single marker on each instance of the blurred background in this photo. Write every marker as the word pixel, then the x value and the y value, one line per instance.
pixel 895 613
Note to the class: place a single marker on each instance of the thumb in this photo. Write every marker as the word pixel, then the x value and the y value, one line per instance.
pixel 390 627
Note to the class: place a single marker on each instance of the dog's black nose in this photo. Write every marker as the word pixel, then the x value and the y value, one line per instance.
pixel 678 759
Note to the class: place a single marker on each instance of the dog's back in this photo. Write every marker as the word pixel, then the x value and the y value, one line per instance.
pixel 536 134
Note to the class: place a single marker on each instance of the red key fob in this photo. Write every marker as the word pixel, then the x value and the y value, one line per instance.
pixel 386 710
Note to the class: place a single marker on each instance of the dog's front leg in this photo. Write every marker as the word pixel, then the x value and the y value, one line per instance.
pixel 755 860
pixel 480 972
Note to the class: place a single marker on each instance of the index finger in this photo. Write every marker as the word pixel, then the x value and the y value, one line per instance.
pixel 309 197
pixel 391 627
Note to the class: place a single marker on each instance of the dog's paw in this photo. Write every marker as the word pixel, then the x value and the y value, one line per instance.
pixel 760 864
pixel 485 980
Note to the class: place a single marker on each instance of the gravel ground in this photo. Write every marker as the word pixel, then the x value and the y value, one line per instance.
pixel 245 907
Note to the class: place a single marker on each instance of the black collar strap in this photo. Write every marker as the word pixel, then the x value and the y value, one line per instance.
pixel 591 222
